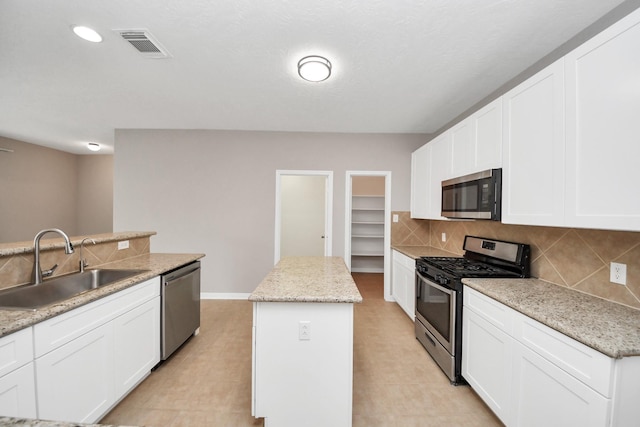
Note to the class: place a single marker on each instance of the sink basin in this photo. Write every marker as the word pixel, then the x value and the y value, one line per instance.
pixel 32 297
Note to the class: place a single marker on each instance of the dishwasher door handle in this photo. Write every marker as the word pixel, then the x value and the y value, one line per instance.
pixel 171 277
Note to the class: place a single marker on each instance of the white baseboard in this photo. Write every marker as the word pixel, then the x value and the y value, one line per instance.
pixel 219 295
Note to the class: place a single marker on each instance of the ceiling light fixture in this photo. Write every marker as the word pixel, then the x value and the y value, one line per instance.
pixel 93 146
pixel 87 33
pixel 314 68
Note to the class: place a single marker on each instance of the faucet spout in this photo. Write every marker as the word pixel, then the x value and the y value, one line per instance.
pixel 83 261
pixel 37 269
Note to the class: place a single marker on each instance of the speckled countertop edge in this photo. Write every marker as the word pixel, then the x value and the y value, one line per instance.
pixel 9 421
pixel 154 264
pixel 610 328
pixel 56 242
pixel 308 279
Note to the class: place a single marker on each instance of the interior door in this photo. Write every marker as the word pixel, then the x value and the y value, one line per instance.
pixel 303 210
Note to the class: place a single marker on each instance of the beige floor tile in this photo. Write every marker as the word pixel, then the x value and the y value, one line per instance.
pixel 208 381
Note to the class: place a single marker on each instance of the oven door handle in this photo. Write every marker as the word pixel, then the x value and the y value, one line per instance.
pixel 448 291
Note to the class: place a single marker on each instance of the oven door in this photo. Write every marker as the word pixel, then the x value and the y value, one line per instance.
pixel 436 310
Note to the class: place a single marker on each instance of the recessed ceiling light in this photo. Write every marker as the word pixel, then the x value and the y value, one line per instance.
pixel 93 146
pixel 314 68
pixel 87 33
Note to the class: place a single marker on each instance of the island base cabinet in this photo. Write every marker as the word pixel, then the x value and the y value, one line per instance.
pixel 303 364
pixel 545 395
pixel 18 393
pixel 75 381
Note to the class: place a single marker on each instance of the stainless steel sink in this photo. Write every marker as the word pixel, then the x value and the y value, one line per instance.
pixel 32 297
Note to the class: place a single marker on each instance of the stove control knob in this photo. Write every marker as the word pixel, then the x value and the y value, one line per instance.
pixel 442 280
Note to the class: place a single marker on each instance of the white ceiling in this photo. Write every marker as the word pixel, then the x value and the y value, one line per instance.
pixel 399 66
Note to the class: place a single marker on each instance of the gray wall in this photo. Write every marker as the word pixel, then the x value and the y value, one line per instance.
pixel 43 188
pixel 213 192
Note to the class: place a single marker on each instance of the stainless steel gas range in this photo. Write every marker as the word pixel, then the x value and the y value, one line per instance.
pixel 438 322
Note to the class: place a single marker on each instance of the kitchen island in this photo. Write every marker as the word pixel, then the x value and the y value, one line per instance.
pixel 303 343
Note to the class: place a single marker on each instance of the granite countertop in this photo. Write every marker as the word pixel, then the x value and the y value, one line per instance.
pixel 416 252
pixel 610 328
pixel 155 264
pixel 308 279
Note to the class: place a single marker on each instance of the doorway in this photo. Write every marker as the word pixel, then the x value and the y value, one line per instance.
pixel 367 225
pixel 303 213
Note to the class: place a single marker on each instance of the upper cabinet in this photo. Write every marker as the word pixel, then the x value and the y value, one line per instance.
pixel 602 138
pixel 420 167
pixel 566 138
pixel 533 150
pixel 476 142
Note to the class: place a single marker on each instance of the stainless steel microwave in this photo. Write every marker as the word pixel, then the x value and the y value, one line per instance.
pixel 475 196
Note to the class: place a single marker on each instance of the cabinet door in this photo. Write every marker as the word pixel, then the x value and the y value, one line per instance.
pixel 420 197
pixel 137 345
pixel 439 171
pixel 75 381
pixel 18 393
pixel 403 283
pixel 487 362
pixel 533 150
pixel 545 395
pixel 398 283
pixel 603 103
pixel 463 147
pixel 488 131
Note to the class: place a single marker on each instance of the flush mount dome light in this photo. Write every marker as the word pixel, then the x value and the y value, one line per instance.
pixel 93 146
pixel 314 68
pixel 87 33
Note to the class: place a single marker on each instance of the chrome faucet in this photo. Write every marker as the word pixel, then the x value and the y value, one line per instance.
pixel 83 262
pixel 37 270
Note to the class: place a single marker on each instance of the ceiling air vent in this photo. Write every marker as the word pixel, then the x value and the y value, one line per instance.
pixel 144 43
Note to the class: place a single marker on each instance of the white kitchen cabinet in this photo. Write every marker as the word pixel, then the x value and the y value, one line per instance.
pixel 87 359
pixel 476 142
pixel 532 375
pixel 533 150
pixel 602 129
pixel 487 361
pixel 75 381
pixel 17 381
pixel 420 188
pixel 488 138
pixel 136 345
pixel 463 147
pixel 439 171
pixel 403 288
pixel 546 395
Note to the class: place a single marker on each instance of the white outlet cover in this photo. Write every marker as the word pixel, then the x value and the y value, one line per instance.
pixel 618 273
pixel 123 245
pixel 395 218
pixel 444 237
pixel 304 330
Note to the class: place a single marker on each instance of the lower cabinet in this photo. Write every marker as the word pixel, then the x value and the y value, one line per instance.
pixel 83 372
pixel 75 381
pixel 403 277
pixel 17 379
pixel 532 375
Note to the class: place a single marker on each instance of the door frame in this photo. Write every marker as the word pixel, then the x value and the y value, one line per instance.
pixel 387 224
pixel 328 205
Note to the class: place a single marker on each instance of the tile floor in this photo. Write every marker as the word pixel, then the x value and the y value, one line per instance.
pixel 208 381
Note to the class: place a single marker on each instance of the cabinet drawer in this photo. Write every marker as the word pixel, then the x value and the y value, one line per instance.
pixel 61 329
pixel 16 350
pixel 496 313
pixel 404 260
pixel 582 362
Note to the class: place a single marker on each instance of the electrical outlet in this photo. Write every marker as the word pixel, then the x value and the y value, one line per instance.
pixel 123 245
pixel 618 273
pixel 395 218
pixel 444 237
pixel 304 330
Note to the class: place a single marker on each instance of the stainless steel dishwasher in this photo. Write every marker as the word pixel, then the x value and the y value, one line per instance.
pixel 180 307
